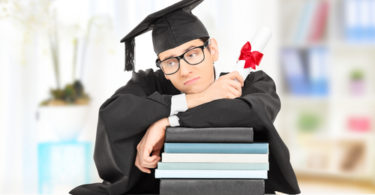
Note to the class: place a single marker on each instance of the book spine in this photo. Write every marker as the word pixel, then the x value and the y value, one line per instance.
pixel 318 71
pixel 228 158
pixel 352 19
pixel 320 20
pixel 305 21
pixel 250 174
pixel 293 68
pixel 228 148
pixel 212 166
pixel 211 186
pixel 209 135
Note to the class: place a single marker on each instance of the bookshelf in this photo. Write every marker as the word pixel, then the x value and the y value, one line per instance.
pixel 328 97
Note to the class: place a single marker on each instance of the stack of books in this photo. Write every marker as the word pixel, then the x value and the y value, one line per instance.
pixel 212 161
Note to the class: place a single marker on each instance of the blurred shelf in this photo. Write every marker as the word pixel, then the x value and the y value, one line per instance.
pixel 301 99
pixel 332 99
pixel 324 185
pixel 363 176
pixel 364 100
pixel 304 45
pixel 346 45
pixel 356 136
pixel 334 45
pixel 333 139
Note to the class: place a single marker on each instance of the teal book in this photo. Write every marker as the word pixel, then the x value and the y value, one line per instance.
pixel 227 148
pixel 211 166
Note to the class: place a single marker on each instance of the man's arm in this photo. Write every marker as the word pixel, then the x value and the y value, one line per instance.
pixel 123 119
pixel 135 106
pixel 259 97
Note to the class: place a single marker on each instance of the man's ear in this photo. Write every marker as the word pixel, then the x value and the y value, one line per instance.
pixel 214 49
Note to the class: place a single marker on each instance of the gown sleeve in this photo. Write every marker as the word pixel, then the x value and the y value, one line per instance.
pixel 122 122
pixel 259 89
pixel 257 107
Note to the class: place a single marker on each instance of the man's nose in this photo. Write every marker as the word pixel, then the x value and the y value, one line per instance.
pixel 185 68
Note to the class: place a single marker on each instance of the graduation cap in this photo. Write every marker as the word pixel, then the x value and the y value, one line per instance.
pixel 171 27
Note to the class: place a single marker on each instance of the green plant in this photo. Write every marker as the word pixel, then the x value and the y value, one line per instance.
pixel 308 122
pixel 356 75
pixel 72 93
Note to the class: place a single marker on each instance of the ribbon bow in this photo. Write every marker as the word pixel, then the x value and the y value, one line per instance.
pixel 252 58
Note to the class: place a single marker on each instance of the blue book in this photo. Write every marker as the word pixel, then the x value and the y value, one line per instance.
pixel 372 21
pixel 211 166
pixel 318 71
pixel 253 174
pixel 294 71
pixel 352 20
pixel 225 148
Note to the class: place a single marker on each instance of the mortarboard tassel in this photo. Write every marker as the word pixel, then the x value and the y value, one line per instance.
pixel 129 55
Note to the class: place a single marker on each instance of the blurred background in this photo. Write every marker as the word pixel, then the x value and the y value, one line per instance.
pixel 61 59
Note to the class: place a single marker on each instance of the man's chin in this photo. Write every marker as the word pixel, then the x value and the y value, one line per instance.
pixel 194 90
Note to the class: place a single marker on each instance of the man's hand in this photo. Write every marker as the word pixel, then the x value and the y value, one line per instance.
pixel 228 86
pixel 151 143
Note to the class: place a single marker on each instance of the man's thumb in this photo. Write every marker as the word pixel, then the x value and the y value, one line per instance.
pixel 156 152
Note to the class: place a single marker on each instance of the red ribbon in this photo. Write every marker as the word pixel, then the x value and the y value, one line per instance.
pixel 252 58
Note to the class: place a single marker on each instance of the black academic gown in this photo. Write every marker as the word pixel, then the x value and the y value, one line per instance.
pixel 146 98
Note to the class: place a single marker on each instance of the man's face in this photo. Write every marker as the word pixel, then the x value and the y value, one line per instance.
pixel 192 79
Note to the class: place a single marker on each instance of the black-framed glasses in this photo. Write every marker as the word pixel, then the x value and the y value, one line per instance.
pixel 192 56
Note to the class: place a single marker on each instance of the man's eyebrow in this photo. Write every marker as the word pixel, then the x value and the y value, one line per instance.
pixel 180 54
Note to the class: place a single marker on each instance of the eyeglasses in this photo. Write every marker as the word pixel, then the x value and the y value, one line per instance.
pixel 192 56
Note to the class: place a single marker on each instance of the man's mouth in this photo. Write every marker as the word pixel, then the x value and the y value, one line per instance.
pixel 191 81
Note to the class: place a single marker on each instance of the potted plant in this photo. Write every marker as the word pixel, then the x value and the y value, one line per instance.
pixel 64 113
pixel 357 84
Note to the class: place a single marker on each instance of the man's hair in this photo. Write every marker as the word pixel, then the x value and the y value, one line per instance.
pixel 204 39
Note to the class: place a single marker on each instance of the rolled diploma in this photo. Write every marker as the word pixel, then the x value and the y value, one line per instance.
pixel 258 43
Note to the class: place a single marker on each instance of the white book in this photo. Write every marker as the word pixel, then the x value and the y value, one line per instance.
pixel 351 14
pixel 254 174
pixel 318 69
pixel 372 20
pixel 352 17
pixel 364 18
pixel 197 157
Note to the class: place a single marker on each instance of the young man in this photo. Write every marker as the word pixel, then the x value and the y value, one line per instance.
pixel 183 92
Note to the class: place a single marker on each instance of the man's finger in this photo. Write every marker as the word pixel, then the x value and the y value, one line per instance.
pixel 145 170
pixel 146 156
pixel 151 159
pixel 140 167
pixel 156 158
pixel 235 84
pixel 234 93
pixel 151 165
pixel 236 76
pixel 156 152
